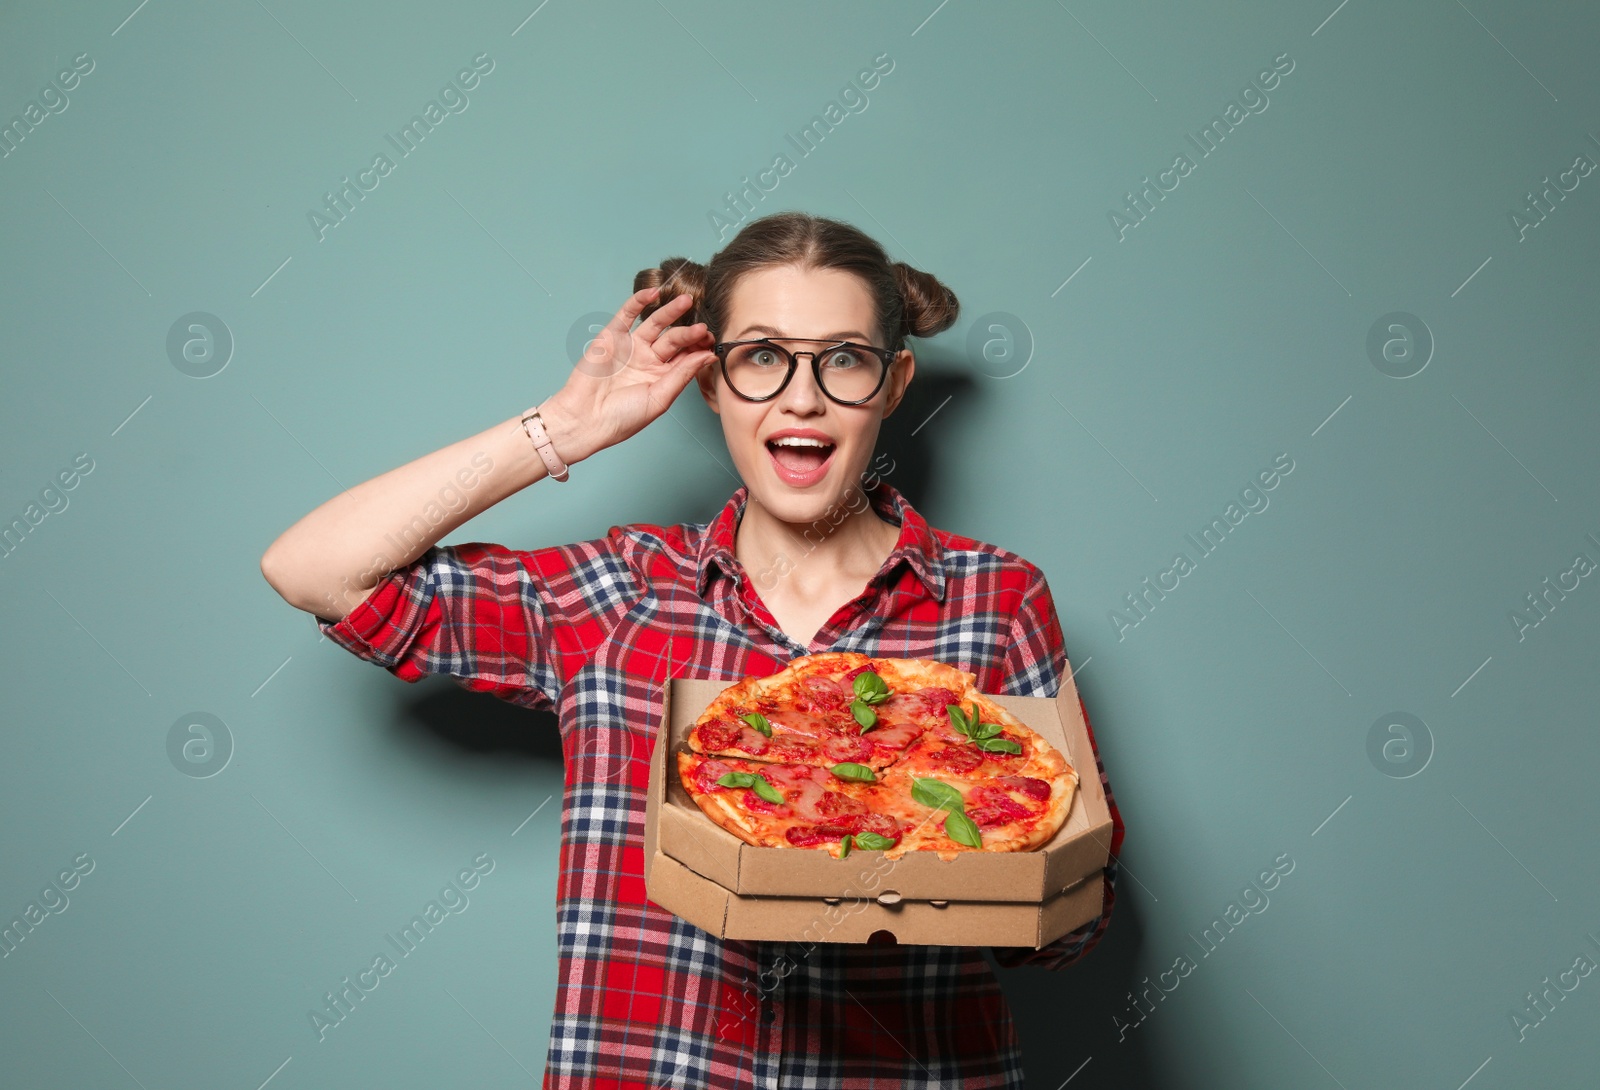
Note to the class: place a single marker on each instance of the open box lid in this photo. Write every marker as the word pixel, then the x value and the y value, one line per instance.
pixel 681 831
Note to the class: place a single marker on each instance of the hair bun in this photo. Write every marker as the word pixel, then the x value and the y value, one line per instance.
pixel 675 276
pixel 906 301
pixel 929 306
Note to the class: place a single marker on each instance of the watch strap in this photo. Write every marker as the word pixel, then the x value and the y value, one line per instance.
pixel 533 424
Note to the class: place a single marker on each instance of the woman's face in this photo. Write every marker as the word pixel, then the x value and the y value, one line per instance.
pixel 798 484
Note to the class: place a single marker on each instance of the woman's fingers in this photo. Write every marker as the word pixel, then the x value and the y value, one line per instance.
pixel 695 362
pixel 663 317
pixel 623 320
pixel 680 337
pixel 669 386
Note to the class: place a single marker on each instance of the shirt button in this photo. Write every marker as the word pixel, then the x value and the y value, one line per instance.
pixel 768 1014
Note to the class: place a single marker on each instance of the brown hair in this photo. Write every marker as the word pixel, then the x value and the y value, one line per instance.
pixel 909 302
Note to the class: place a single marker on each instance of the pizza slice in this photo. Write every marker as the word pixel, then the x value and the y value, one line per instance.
pixel 819 710
pixel 1001 786
pixel 777 805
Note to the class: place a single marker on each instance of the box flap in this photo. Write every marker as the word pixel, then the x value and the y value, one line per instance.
pixel 712 908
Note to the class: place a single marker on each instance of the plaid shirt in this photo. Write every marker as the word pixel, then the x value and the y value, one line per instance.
pixel 646 999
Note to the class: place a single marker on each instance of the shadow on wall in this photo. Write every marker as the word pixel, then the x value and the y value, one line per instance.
pixel 911 438
pixel 1064 1018
pixel 478 723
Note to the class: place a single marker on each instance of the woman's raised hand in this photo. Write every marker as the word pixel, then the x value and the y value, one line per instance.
pixel 627 377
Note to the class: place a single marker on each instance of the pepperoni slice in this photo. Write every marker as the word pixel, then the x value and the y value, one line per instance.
pixel 882 824
pixel 718 734
pixel 846 747
pixel 787 775
pixel 822 696
pixel 793 720
pixel 956 759
pixel 837 804
pixel 893 739
pixel 809 836
pixel 903 707
pixel 1027 785
pixel 992 806
pixel 821 702
pixel 708 774
pixel 937 698
pixel 989 795
pixel 850 675
pixel 758 805
pixel 816 803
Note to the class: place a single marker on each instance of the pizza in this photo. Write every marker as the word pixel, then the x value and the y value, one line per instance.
pixel 841 751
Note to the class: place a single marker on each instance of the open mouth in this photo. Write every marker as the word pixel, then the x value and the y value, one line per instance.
pixel 799 461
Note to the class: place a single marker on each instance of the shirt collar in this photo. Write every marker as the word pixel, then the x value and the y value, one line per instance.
pixel 916 546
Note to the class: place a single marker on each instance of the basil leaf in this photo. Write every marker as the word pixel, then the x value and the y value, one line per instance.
pixel 850 770
pixel 759 722
pixel 863 715
pixel 986 730
pixel 937 794
pixel 999 745
pixel 752 780
pixel 844 845
pixel 873 842
pixel 766 790
pixel 962 829
pixel 870 688
pixel 958 718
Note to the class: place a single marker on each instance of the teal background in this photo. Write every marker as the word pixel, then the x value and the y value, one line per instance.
pixel 1227 328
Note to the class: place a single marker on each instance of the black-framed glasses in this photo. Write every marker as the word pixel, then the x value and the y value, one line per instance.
pixel 848 373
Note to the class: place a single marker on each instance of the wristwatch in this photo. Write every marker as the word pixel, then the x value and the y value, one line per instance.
pixel 533 424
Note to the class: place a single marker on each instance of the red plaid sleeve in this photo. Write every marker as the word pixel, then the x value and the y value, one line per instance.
pixel 1035 665
pixel 511 623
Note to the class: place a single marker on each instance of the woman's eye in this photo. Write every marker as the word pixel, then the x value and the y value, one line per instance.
pixel 843 361
pixel 765 357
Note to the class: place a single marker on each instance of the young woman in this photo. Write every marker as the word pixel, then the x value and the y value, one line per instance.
pixel 795 333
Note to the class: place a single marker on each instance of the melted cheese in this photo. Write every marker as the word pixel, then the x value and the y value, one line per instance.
pixel 799 722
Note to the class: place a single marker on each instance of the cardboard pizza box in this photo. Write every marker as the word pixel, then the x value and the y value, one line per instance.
pixel 858 915
pixel 703 873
